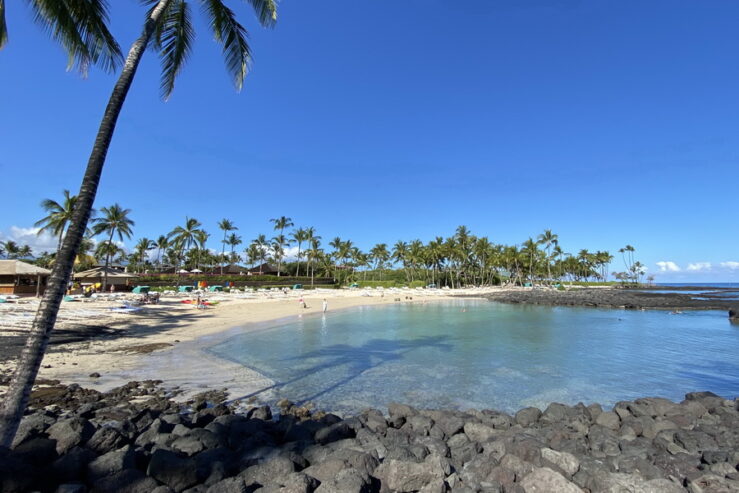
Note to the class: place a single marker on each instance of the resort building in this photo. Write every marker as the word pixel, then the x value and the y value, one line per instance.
pixel 18 277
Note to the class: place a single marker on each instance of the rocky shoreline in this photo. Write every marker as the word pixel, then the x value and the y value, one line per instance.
pixel 616 298
pixel 137 439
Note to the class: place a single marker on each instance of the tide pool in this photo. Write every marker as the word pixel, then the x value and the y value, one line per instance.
pixel 478 354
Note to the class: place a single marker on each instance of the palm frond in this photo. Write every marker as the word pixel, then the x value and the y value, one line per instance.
pixel 175 40
pixel 233 37
pixel 3 26
pixel 80 26
pixel 266 11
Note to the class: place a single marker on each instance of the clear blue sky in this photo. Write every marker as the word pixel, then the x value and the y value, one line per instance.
pixel 610 122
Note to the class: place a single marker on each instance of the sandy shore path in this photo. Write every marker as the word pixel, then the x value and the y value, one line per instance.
pixel 167 341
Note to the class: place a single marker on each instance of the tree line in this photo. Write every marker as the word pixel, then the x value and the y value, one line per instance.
pixel 462 259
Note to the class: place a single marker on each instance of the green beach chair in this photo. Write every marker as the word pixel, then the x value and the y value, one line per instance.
pixel 141 289
pixel 214 289
pixel 184 289
pixel 297 286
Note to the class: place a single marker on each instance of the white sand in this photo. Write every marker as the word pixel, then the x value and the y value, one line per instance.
pixel 182 332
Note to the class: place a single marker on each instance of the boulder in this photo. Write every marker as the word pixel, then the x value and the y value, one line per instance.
pixel 480 433
pixel 169 468
pixel 31 426
pixel 609 420
pixel 332 433
pixel 528 416
pixel 229 485
pixel 404 476
pixel 346 481
pixel 267 472
pixel 111 463
pixel 563 460
pixel 545 480
pixel 106 439
pixel 734 313
pixel 69 433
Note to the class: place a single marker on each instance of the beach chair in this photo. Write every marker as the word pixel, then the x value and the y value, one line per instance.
pixel 141 289
pixel 184 289
pixel 214 289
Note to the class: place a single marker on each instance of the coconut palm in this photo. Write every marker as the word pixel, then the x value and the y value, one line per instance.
pixel 379 254
pixel 59 214
pixel 281 223
pixel 143 246
pixel 113 222
pixel 263 246
pixel 233 241
pixel 161 245
pixel 11 249
pixel 299 236
pixel 80 26
pixel 548 239
pixel 184 238
pixel 314 249
pixel 226 226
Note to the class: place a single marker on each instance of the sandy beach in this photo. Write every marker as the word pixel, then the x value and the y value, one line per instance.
pixel 165 341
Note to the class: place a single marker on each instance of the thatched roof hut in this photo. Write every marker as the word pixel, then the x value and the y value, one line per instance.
pixel 17 277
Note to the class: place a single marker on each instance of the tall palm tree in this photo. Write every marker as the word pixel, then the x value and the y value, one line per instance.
pixel 83 32
pixel 59 214
pixel 226 226
pixel 299 236
pixel 114 221
pixel 184 238
pixel 263 245
pixel 142 248
pixel 233 241
pixel 548 239
pixel 281 223
pixel 161 245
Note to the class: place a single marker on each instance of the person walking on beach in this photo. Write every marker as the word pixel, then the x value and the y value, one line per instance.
pixel 325 305
pixel 302 303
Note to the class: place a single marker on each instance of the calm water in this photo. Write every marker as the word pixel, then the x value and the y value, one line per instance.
pixel 465 354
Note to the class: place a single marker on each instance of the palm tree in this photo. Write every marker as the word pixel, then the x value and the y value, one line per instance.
pixel 380 255
pixel 183 238
pixel 226 226
pixel 281 223
pixel 161 245
pixel 141 249
pixel 548 239
pixel 58 216
pixel 299 236
pixel 83 33
pixel 263 246
pixel 233 241
pixel 114 221
pixel 11 249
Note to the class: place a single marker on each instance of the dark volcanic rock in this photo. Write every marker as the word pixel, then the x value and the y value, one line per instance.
pixel 103 442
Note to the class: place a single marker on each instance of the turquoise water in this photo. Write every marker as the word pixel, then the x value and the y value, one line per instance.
pixel 477 354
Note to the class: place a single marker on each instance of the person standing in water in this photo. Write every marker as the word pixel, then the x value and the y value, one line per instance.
pixel 325 305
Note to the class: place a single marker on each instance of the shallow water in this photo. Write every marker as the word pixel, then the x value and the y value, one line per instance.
pixel 478 354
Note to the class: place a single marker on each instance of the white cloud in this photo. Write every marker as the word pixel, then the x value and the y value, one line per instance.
pixel 29 236
pixel 730 265
pixel 667 266
pixel 699 266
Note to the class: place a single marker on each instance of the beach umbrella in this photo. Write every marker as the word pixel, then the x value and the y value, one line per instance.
pixel 182 271
pixel 196 271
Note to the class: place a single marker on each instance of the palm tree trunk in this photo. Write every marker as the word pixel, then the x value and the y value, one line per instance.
pixel 107 262
pixel 19 390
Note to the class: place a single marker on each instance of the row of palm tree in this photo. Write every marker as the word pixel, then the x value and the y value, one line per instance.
pixel 459 260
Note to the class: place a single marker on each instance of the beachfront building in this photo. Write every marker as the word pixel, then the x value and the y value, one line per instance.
pixel 264 269
pixel 96 275
pixel 231 270
pixel 18 277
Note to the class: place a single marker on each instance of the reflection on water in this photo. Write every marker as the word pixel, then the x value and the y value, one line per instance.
pixel 464 354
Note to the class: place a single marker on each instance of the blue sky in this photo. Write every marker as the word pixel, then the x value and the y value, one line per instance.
pixel 608 122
